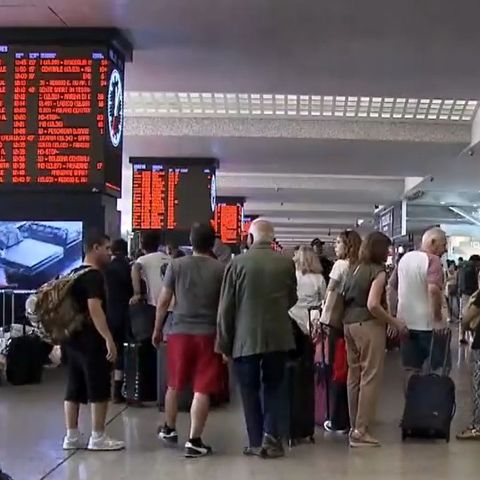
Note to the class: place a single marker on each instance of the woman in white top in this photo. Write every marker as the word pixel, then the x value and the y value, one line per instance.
pixel 311 286
pixel 347 248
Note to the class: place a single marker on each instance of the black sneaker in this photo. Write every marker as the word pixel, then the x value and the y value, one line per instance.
pixel 254 452
pixel 273 447
pixel 195 448
pixel 168 435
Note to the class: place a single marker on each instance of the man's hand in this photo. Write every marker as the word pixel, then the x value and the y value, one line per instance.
pixel 392 332
pixel 135 299
pixel 111 350
pixel 157 337
pixel 401 327
pixel 225 359
pixel 440 328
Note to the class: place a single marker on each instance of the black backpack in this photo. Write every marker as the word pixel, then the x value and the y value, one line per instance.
pixel 25 357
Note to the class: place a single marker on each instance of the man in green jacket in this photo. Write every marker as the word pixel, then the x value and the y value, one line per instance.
pixel 254 329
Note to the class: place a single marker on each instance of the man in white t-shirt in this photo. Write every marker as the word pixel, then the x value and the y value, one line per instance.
pixel 148 268
pixel 418 285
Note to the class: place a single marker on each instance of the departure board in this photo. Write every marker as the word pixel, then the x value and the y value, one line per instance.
pixel 166 197
pixel 228 222
pixel 61 117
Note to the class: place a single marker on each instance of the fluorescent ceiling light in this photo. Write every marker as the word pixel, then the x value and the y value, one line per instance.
pixel 281 105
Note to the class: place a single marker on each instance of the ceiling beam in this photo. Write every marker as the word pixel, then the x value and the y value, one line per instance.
pixel 298 128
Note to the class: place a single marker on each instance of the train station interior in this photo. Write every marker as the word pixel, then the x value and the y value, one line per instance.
pixel 316 116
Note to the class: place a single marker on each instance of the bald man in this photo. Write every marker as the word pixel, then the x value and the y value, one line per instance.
pixel 254 329
pixel 418 283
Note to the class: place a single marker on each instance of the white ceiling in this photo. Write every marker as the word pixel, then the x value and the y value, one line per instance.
pixel 381 48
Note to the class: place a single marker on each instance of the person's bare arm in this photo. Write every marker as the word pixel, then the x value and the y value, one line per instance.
pixel 136 282
pixel 375 307
pixel 98 317
pixel 333 286
pixel 392 293
pixel 469 314
pixel 435 296
pixel 164 299
pixel 99 320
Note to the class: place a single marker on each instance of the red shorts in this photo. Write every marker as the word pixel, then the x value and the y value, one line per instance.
pixel 191 360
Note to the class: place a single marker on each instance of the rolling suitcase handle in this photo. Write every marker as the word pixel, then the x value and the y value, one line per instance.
pixel 448 339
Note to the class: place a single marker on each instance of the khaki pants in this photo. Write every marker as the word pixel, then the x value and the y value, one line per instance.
pixel 366 353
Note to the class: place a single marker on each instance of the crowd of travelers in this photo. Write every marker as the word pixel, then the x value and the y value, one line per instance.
pixel 248 311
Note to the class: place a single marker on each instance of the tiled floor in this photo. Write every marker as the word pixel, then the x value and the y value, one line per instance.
pixel 31 429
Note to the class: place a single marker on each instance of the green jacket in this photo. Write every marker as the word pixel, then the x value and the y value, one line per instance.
pixel 259 288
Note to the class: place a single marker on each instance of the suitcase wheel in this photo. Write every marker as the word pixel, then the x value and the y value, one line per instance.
pixel 292 442
pixel 312 439
pixel 404 435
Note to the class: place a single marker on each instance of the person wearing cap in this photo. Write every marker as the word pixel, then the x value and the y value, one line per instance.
pixel 326 263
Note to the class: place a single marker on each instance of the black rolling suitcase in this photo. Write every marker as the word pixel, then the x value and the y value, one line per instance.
pixel 140 373
pixel 430 401
pixel 299 392
pixel 185 397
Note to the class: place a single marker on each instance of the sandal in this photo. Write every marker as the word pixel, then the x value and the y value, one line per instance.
pixel 470 433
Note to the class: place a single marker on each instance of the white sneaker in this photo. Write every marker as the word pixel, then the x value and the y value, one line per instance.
pixel 105 444
pixel 73 443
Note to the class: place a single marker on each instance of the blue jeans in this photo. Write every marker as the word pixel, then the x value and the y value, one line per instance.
pixel 260 378
pixel 416 349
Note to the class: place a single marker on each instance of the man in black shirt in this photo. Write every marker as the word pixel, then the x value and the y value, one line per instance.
pixel 326 264
pixel 119 291
pixel 91 351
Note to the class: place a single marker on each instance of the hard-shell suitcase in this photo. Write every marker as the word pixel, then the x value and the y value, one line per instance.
pixel 299 383
pixel 299 390
pixel 430 402
pixel 140 372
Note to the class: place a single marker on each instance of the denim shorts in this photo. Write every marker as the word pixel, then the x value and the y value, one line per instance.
pixel 416 348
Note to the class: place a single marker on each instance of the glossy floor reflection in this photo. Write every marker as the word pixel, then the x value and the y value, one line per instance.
pixel 31 429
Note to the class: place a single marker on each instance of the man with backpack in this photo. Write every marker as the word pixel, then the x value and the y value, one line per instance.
pixel 90 350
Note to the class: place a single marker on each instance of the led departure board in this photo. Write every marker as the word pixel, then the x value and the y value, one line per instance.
pixel 228 222
pixel 61 117
pixel 169 197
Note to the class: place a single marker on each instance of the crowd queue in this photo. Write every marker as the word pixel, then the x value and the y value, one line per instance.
pixel 250 312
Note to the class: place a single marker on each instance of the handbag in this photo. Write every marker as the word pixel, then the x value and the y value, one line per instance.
pixel 333 317
pixel 470 323
pixel 142 321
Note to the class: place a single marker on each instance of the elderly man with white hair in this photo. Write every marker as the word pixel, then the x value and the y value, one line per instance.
pixel 254 328
pixel 418 284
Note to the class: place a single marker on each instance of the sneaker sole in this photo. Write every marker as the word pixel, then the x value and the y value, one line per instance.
pixel 90 449
pixel 169 442
pixel 364 445
pixel 197 455
pixel 192 453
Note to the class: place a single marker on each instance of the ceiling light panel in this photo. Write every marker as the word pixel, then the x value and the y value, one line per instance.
pixel 301 106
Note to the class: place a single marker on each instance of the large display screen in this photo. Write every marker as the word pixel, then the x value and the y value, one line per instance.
pixel 228 222
pixel 34 252
pixel 61 117
pixel 168 197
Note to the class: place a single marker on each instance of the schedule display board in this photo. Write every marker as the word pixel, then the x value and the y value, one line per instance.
pixel 61 117
pixel 228 220
pixel 172 194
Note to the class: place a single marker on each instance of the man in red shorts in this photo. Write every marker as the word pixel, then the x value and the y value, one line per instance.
pixel 195 281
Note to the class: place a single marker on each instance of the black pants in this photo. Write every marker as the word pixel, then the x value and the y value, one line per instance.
pixel 260 378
